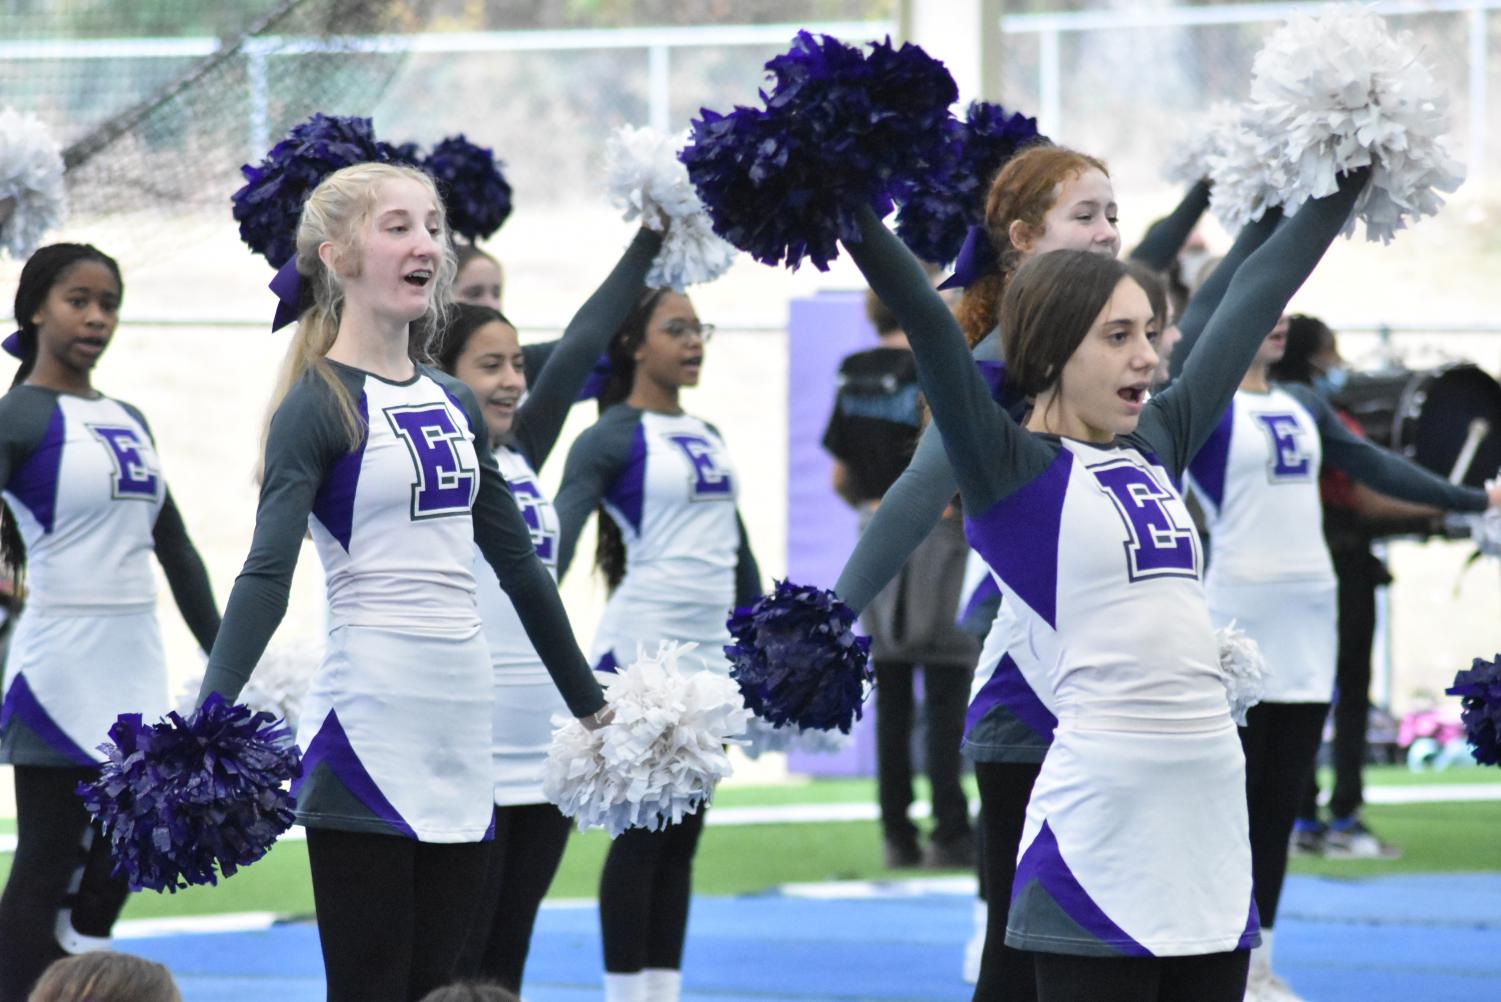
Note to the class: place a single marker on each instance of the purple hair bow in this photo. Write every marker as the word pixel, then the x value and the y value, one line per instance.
pixel 976 258
pixel 287 284
pixel 12 344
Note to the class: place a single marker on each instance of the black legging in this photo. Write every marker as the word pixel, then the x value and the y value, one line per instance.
pixel 54 840
pixel 392 911
pixel 528 846
pixel 1210 977
pixel 1280 742
pixel 643 896
pixel 945 700
pixel 1006 973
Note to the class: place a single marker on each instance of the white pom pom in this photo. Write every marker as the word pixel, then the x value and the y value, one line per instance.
pixel 1341 91
pixel 277 685
pixel 661 754
pixel 1483 528
pixel 31 183
pixel 1190 159
pixel 762 738
pixel 1242 669
pixel 646 179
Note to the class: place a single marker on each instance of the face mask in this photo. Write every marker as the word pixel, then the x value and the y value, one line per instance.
pixel 1330 383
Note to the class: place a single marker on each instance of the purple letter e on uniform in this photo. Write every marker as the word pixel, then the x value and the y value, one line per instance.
pixel 709 481
pixel 134 477
pixel 1156 546
pixel 445 486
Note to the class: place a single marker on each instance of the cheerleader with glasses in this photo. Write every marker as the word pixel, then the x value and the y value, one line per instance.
pixel 86 504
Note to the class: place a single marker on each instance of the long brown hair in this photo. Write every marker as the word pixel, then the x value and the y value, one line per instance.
pixel 1024 190
pixel 105 976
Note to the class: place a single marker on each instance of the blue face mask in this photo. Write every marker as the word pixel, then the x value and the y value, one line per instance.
pixel 1330 383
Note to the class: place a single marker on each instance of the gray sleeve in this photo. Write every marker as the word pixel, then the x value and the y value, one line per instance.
pixel 555 387
pixel 24 415
pixel 991 456
pixel 747 571
pixel 595 459
pixel 534 357
pixel 1177 421
pixel 1167 236
pixel 907 514
pixel 1206 299
pixel 502 536
pixel 305 438
pixel 1377 468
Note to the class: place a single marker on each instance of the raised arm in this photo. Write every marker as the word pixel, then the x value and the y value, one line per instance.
pixel 186 574
pixel 1380 469
pixel 1178 420
pixel 1206 299
pixel 1166 237
pixel 554 388
pixel 747 571
pixel 991 456
pixel 304 440
pixel 594 464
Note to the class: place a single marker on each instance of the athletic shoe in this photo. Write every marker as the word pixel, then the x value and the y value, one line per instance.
pixel 1268 987
pixel 1308 839
pixel 902 855
pixel 1353 840
pixel 954 854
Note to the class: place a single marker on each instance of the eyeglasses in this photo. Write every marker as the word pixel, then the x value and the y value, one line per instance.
pixel 679 329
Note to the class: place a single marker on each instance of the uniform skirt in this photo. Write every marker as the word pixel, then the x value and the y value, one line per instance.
pixel 522 730
pixel 629 624
pixel 68 677
pixel 1136 843
pixel 1296 623
pixel 396 736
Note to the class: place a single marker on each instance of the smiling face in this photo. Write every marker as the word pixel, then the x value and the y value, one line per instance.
pixel 396 256
pixel 1103 385
pixel 77 319
pixel 491 365
pixel 672 352
pixel 1083 217
pixel 479 283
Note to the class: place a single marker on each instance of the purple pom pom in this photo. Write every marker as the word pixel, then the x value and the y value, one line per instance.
pixel 1480 688
pixel 798 659
pixel 938 208
pixel 407 154
pixel 474 191
pixel 180 798
pixel 841 130
pixel 269 206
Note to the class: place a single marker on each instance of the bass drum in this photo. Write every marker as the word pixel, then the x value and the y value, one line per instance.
pixel 1431 416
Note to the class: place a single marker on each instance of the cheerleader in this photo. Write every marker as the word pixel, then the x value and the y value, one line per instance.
pixel 1257 478
pixel 480 347
pixel 479 279
pixel 85 504
pixel 1045 198
pixel 674 553
pixel 1134 876
pixel 387 462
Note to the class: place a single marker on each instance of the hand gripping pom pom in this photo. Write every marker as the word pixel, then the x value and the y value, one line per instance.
pixel 1242 669
pixel 762 738
pixel 277 685
pixel 186 796
pixel 798 659
pixel 939 208
pixel 475 193
pixel 32 200
pixel 646 179
pixel 840 130
pixel 1480 692
pixel 660 756
pixel 1188 162
pixel 269 205
pixel 1341 91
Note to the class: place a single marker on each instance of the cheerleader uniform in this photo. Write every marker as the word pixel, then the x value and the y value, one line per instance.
pixel 82 479
pixel 667 482
pixel 1271 575
pixel 1103 608
pixel 530 833
pixel 397 786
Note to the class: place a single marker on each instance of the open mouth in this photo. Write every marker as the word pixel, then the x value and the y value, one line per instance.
pixel 1133 394
pixel 694 360
pixel 504 403
pixel 92 344
pixel 419 278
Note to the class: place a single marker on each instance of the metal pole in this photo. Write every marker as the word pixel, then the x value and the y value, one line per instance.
pixel 1049 112
pixel 658 87
pixel 1479 56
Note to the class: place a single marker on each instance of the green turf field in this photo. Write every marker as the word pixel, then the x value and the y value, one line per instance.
pixel 751 859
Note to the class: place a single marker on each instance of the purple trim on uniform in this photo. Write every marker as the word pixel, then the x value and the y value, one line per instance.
pixel 1252 936
pixel 985 592
pixel 1043 862
pixel 607 663
pixel 330 746
pixel 22 705
pixel 994 374
pixel 1008 687
pixel 1210 465
pixel 34 482
pixel 1018 537
pixel 334 505
pixel 627 492
pixel 594 385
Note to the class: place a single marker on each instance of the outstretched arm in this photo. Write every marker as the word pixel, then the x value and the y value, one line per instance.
pixel 1166 237
pixel 594 462
pixel 1206 299
pixel 555 387
pixel 186 574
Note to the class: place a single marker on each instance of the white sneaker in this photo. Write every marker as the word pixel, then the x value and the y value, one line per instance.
pixel 974 950
pixel 1268 987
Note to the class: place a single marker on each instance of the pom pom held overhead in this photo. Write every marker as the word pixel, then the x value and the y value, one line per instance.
pixel 187 800
pixel 32 199
pixel 475 193
pixel 1479 689
pixel 798 659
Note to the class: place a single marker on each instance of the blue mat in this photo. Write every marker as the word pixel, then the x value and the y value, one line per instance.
pixel 1407 939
